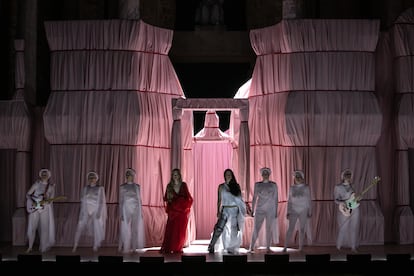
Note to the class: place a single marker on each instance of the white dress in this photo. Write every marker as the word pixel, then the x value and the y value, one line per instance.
pixel 348 226
pixel 264 207
pixel 92 215
pixel 132 235
pixel 299 209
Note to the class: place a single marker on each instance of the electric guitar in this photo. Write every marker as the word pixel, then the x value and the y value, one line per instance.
pixel 353 201
pixel 33 205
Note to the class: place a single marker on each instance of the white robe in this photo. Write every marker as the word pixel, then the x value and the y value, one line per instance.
pixel 299 209
pixel 92 215
pixel 264 207
pixel 41 220
pixel 132 235
pixel 348 227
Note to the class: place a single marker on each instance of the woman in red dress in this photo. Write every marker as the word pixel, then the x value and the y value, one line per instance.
pixel 178 203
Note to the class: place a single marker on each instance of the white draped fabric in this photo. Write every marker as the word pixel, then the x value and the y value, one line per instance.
pixel 110 109
pixel 313 107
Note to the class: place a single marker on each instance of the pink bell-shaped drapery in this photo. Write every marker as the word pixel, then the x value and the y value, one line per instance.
pixel 15 152
pixel 110 109
pixel 402 39
pixel 313 107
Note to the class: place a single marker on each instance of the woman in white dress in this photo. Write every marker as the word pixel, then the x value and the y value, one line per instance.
pixel 93 212
pixel 299 209
pixel 132 235
pixel 264 207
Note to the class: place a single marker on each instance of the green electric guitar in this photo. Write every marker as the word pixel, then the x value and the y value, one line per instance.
pixel 353 201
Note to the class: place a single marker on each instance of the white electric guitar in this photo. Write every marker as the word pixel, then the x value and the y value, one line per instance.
pixel 353 201
pixel 33 205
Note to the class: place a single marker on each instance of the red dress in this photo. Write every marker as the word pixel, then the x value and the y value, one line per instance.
pixel 178 212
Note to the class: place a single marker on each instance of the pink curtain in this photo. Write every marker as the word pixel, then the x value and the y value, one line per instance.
pixel 402 37
pixel 313 107
pixel 15 152
pixel 110 108
pixel 212 154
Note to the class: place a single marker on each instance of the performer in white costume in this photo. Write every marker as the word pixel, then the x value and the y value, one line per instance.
pixel 264 207
pixel 41 218
pixel 93 212
pixel 132 235
pixel 348 226
pixel 299 208
pixel 231 211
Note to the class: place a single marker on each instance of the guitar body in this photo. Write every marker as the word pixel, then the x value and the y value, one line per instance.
pixel 353 202
pixel 347 206
pixel 33 205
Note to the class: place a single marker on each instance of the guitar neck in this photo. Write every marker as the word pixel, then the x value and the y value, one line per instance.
pixel 375 181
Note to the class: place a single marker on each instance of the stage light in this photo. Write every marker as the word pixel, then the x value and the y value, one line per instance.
pixel 399 258
pixel 276 258
pixel 318 258
pixel 358 258
pixel 157 260
pixel 29 258
pixel 68 258
pixel 193 259
pixel 110 259
pixel 235 259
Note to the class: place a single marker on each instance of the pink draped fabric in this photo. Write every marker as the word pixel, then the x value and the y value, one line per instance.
pixel 318 100
pixel 15 148
pixel 110 109
pixel 207 154
pixel 313 107
pixel 402 35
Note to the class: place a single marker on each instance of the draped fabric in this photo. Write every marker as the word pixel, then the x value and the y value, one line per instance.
pixel 112 84
pixel 402 37
pixel 15 147
pixel 206 154
pixel 212 155
pixel 318 100
pixel 313 107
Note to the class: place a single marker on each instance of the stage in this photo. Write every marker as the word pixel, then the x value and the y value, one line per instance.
pixel 311 260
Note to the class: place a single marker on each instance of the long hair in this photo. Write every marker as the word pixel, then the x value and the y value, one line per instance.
pixel 169 194
pixel 233 185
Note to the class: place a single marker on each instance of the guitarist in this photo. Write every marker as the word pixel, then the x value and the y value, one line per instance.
pixel 348 224
pixel 40 217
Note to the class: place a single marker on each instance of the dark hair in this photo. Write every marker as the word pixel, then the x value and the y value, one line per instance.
pixel 233 185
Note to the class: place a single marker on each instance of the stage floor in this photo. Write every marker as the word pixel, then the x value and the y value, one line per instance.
pixel 199 248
